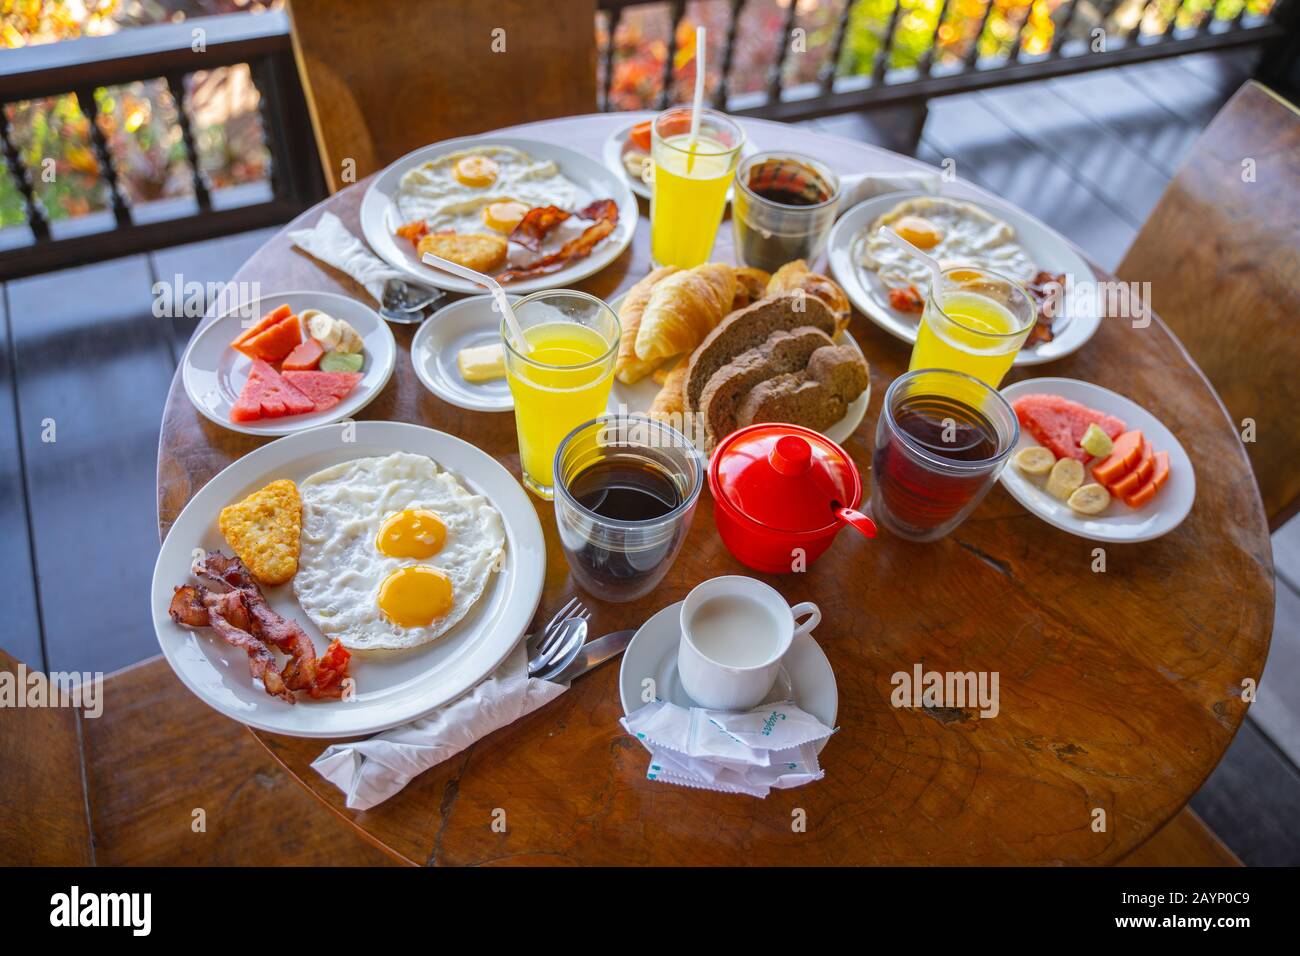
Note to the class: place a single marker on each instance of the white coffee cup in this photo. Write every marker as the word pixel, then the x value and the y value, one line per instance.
pixel 735 630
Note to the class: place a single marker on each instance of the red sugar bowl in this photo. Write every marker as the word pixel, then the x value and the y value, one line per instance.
pixel 781 493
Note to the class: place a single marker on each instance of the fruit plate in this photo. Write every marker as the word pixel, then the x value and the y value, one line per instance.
pixel 213 373
pixel 1048 248
pixel 637 398
pixel 1118 523
pixel 380 218
pixel 392 687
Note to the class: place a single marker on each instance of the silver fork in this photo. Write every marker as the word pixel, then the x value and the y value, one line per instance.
pixel 543 644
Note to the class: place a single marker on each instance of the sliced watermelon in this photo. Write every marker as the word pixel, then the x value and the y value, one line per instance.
pixel 326 389
pixel 1058 423
pixel 266 394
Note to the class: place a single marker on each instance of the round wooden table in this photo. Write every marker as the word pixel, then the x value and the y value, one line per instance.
pixel 1120 688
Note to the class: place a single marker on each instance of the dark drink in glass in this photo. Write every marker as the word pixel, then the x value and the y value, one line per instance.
pixel 942 440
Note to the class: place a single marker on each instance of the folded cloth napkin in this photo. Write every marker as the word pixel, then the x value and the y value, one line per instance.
pixel 331 243
pixel 771 746
pixel 854 189
pixel 370 771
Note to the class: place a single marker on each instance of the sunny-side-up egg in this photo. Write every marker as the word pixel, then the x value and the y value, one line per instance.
pixel 395 551
pixel 485 189
pixel 955 233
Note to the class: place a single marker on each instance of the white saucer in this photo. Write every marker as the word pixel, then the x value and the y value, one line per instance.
pixel 462 324
pixel 806 675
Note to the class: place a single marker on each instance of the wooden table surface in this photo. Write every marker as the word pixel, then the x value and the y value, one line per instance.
pixel 1120 689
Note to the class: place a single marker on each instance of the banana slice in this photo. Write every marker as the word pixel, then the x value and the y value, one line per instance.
pixel 1035 460
pixel 1067 475
pixel 334 335
pixel 1089 500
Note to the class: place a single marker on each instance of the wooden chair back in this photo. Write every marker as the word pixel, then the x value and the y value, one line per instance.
pixel 384 77
pixel 1222 253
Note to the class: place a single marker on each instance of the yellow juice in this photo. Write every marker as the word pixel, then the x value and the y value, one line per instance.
pixel 550 402
pixel 978 340
pixel 688 196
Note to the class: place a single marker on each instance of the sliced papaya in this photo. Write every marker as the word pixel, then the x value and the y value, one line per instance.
pixel 1137 476
pixel 304 358
pixel 1125 454
pixel 1159 475
pixel 278 314
pixel 274 342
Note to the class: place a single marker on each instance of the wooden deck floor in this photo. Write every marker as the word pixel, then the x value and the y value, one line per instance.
pixel 85 366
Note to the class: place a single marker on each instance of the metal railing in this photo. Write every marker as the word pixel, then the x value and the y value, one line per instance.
pixel 168 53
pixel 1073 50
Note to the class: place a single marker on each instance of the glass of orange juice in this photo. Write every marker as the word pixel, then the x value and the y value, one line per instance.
pixel 565 377
pixel 974 321
pixel 689 189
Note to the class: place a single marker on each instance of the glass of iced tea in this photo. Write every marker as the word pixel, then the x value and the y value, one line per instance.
pixel 942 439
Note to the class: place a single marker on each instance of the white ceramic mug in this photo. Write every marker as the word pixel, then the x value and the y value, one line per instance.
pixel 732 664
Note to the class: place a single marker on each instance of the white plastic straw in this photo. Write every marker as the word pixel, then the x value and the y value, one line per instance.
pixel 697 101
pixel 489 283
pixel 910 249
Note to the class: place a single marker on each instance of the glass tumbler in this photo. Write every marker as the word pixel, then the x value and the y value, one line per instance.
pixel 625 493
pixel 942 439
pixel 784 208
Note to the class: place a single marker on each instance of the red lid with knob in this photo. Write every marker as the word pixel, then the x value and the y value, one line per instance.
pixel 784 477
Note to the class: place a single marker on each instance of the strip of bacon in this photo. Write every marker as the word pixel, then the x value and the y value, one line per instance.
pixel 604 211
pixel 537 225
pixel 225 613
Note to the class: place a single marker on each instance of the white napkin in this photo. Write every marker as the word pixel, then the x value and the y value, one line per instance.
pixel 370 771
pixel 331 243
pixel 771 746
pixel 854 189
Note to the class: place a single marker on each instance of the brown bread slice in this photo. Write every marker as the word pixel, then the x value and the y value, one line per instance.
pixel 781 353
pixel 816 398
pixel 748 328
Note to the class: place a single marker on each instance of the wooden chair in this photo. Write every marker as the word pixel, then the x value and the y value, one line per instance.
pixel 1222 253
pixel 384 77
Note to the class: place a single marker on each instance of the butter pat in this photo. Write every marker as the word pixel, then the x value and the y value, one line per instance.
pixel 482 363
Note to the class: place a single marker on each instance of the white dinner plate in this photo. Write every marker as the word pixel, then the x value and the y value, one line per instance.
pixel 612 153
pixel 1118 523
pixel 380 219
pixel 805 677
pixel 1047 248
pixel 464 324
pixel 214 373
pixel 637 398
pixel 392 687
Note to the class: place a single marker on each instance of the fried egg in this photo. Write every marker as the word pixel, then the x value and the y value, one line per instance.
pixel 395 551
pixel 956 233
pixel 455 191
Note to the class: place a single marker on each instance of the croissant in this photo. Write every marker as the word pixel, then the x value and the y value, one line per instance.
pixel 795 276
pixel 627 366
pixel 684 308
pixel 671 399
pixel 751 285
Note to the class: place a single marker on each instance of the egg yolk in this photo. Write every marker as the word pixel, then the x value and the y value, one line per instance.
pixel 503 216
pixel 475 171
pixel 414 533
pixel 921 233
pixel 415 596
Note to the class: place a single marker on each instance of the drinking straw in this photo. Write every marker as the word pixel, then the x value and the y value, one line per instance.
pixel 697 101
pixel 489 283
pixel 910 249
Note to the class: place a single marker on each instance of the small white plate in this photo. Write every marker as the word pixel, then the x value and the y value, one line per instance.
pixel 1118 523
pixel 464 324
pixel 380 219
pixel 805 676
pixel 392 687
pixel 214 373
pixel 638 398
pixel 1046 247
pixel 612 152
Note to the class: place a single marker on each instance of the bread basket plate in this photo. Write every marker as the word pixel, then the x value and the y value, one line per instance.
pixel 1048 249
pixel 636 399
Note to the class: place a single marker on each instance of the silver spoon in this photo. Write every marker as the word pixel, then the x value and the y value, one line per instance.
pixel 406 303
